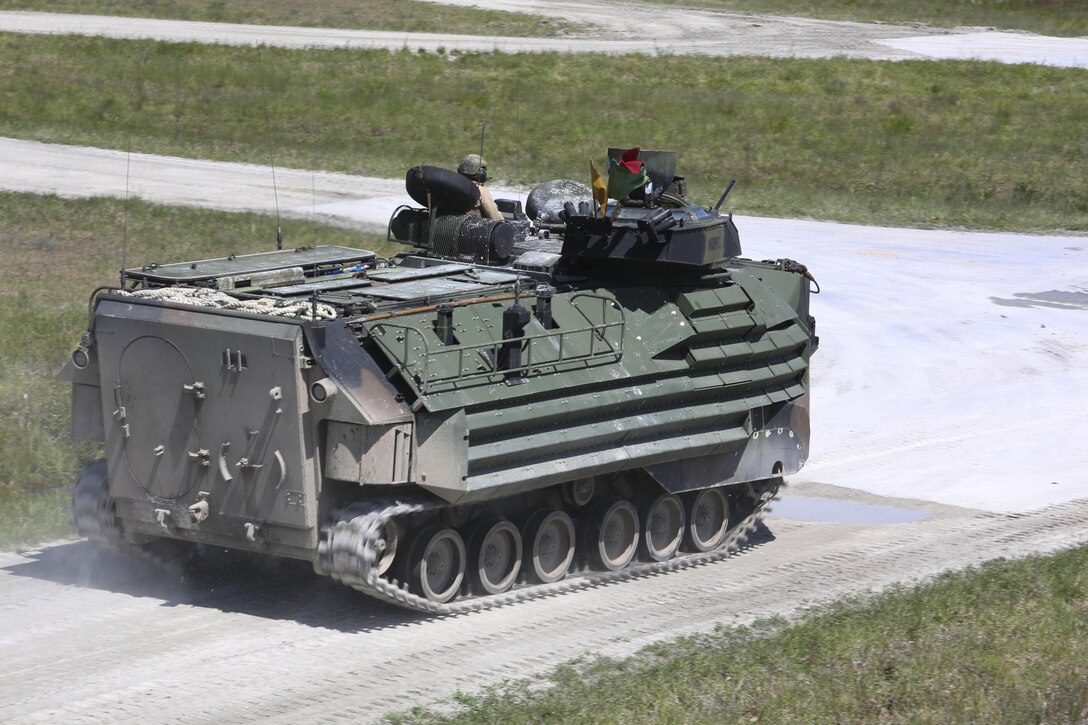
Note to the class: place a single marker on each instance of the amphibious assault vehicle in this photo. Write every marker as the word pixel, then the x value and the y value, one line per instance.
pixel 507 408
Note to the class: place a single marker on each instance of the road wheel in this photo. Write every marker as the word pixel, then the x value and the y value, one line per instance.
pixel 386 546
pixel 496 549
pixel 662 527
pixel 613 534
pixel 549 539
pixel 437 564
pixel 707 519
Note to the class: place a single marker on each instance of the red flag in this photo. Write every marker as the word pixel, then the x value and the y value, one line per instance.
pixel 629 158
pixel 626 175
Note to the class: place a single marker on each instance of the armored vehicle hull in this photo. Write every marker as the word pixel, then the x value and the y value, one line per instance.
pixel 447 434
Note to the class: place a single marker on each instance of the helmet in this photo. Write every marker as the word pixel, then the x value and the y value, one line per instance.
pixel 474 167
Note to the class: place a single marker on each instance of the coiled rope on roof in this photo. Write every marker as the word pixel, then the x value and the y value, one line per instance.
pixel 204 297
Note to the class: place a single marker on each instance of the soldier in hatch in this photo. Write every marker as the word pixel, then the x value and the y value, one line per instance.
pixel 474 167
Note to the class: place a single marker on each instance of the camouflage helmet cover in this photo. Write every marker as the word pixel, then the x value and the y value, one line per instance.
pixel 473 166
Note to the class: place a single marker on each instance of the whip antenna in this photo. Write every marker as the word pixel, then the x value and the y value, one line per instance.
pixel 124 227
pixel 313 206
pixel 313 173
pixel 483 127
pixel 128 173
pixel 517 133
pixel 271 160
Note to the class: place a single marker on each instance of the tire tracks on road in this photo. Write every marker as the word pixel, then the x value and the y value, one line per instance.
pixel 284 644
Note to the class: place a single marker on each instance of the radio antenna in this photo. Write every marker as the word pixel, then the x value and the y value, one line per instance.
pixel 313 208
pixel 128 173
pixel 124 228
pixel 271 160
pixel 483 127
pixel 517 133
pixel 313 173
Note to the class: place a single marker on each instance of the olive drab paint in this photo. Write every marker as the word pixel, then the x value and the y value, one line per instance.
pixel 619 387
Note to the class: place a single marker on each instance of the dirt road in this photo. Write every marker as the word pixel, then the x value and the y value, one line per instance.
pixel 90 637
pixel 79 171
pixel 637 29
pixel 609 27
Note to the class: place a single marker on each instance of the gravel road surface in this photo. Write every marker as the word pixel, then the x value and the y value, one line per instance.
pixel 91 637
pixel 609 27
pixel 79 171
pixel 635 29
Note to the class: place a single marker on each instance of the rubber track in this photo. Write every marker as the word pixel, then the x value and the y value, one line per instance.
pixel 347 554
pixel 94 517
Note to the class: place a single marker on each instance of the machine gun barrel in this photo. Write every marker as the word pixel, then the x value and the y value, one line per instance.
pixel 732 183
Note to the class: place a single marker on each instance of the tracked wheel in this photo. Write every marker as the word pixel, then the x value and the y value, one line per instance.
pixel 548 543
pixel 662 520
pixel 495 549
pixel 579 493
pixel 613 535
pixel 386 546
pixel 94 512
pixel 707 519
pixel 549 539
pixel 94 515
pixel 437 564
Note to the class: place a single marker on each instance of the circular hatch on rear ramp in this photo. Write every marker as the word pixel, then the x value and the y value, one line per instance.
pixel 161 417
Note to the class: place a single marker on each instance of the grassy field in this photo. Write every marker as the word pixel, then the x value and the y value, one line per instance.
pixel 1007 643
pixel 968 144
pixel 56 252
pixel 1046 17
pixel 399 15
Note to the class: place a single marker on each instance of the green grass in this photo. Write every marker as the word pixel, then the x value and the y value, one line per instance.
pixel 33 518
pixel 969 144
pixel 1006 643
pixel 399 15
pixel 1047 17
pixel 56 252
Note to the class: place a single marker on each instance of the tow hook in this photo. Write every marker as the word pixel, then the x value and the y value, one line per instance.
pixel 199 510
